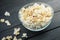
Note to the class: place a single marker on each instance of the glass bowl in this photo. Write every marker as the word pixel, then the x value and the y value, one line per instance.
pixel 39 29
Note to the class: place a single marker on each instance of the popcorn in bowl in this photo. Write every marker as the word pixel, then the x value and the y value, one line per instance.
pixel 36 16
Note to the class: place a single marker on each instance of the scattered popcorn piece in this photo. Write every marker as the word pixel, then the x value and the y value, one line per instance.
pixel 7 22
pixel 3 38
pixel 20 39
pixel 14 38
pixel 9 37
pixel 16 31
pixel 7 13
pixel 24 35
pixel 2 20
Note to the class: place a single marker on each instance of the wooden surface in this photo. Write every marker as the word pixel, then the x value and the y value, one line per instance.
pixel 13 6
pixel 51 35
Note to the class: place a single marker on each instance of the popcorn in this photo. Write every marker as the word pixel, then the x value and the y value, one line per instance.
pixel 7 13
pixel 16 31
pixel 15 38
pixel 9 37
pixel 2 20
pixel 3 38
pixel 8 23
pixel 24 35
pixel 5 21
pixel 42 6
pixel 38 13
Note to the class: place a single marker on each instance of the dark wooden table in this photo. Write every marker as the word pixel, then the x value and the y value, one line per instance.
pixel 52 32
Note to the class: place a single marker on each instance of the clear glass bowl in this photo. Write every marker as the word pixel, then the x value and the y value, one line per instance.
pixel 30 4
